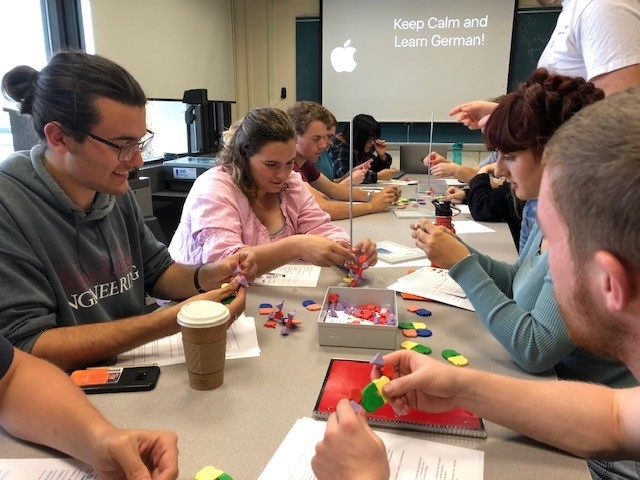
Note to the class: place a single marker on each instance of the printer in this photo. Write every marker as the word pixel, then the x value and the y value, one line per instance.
pixel 180 173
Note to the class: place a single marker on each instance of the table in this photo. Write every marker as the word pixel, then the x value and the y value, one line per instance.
pixel 239 426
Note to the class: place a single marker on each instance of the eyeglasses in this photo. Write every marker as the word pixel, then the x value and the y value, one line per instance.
pixel 128 150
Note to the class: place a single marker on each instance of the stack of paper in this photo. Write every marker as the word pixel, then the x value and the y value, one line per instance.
pixel 434 284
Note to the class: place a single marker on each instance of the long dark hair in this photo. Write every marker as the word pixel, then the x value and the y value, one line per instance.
pixel 365 127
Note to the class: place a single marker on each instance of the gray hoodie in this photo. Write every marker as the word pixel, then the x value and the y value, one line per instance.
pixel 60 266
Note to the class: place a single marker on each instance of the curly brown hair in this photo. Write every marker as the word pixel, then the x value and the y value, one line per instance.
pixel 246 137
pixel 528 117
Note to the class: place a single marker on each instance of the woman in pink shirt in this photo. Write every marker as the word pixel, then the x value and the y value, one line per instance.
pixel 254 201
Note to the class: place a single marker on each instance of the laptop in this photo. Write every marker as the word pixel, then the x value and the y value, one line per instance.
pixel 439 185
pixel 411 155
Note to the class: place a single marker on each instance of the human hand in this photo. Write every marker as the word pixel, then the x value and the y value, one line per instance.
pixel 421 383
pixel 232 289
pixel 382 200
pixel 445 170
pixel 380 147
pixel 433 158
pixel 455 194
pixel 368 248
pixel 136 455
pixel 213 274
pixel 387 173
pixel 323 251
pixel 350 449
pixel 357 176
pixel 440 245
pixel 490 169
pixel 471 114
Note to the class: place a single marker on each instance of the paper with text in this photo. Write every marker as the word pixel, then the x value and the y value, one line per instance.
pixel 431 294
pixel 45 468
pixel 409 458
pixel 299 274
pixel 242 342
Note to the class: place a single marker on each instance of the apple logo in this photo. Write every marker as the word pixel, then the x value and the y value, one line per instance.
pixel 342 58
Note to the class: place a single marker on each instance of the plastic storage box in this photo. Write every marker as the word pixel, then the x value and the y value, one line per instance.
pixel 362 336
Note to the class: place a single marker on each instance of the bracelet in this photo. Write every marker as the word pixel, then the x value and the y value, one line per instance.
pixel 196 283
pixel 369 196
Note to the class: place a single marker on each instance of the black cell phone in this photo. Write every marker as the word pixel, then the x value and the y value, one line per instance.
pixel 399 174
pixel 116 379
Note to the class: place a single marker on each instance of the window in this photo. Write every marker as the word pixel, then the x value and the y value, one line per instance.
pixel 28 36
pixel 166 119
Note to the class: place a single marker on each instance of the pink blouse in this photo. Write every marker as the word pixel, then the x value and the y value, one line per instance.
pixel 217 219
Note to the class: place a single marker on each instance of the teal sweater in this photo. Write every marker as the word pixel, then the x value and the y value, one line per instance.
pixel 517 305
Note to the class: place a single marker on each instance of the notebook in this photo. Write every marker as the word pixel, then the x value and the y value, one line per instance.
pixel 412 155
pixel 344 375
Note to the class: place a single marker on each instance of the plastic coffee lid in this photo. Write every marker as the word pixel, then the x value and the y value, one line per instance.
pixel 203 314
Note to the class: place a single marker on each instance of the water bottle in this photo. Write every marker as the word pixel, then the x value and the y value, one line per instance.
pixel 457 153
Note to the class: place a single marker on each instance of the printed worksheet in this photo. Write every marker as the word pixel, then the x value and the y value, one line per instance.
pixel 409 458
pixel 45 468
pixel 298 274
pixel 242 342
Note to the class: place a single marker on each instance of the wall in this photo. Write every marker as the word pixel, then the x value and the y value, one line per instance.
pixel 169 46
pixel 271 63
pixel 250 42
pixel 264 36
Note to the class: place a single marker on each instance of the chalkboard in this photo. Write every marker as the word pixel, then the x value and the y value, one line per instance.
pixel 308 59
pixel 531 31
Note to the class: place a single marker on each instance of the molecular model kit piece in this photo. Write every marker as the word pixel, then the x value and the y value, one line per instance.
pixel 369 314
pixel 276 315
pixel 416 347
pixel 243 282
pixel 371 398
pixel 212 473
pixel 455 358
pixel 356 271
pixel 414 329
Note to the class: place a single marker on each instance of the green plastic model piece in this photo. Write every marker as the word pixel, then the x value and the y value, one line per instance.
pixel 422 349
pixel 212 473
pixel 409 345
pixel 371 398
pixel 455 358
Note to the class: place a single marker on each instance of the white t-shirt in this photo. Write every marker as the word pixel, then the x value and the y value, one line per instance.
pixel 593 37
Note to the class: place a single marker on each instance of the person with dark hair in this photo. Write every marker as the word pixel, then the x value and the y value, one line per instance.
pixel 312 123
pixel 54 412
pixel 490 199
pixel 594 258
pixel 368 148
pixel 77 258
pixel 254 202
pixel 516 302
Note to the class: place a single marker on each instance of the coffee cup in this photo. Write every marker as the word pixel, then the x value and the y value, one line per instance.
pixel 203 324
